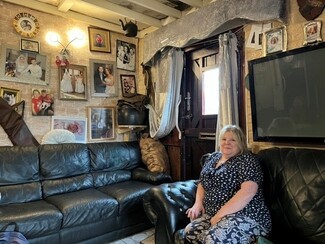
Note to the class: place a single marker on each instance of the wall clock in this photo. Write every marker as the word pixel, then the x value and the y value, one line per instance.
pixel 26 24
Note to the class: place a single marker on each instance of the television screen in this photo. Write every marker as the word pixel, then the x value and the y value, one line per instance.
pixel 287 93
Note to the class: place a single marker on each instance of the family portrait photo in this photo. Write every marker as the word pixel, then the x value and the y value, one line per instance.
pixel 103 78
pixel 129 86
pixel 24 67
pixel 42 102
pixel 73 82
pixel 125 56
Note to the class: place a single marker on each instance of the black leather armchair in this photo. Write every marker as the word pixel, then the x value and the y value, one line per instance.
pixel 294 189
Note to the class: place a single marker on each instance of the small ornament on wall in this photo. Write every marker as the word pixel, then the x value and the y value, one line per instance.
pixel 26 25
pixel 312 32
pixel 275 40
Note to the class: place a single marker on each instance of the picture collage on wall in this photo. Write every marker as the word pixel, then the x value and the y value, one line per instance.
pixel 27 64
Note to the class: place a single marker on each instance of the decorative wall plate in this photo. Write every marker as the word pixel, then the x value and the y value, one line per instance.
pixel 26 24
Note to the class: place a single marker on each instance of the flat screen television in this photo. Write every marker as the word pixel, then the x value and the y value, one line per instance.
pixel 287 92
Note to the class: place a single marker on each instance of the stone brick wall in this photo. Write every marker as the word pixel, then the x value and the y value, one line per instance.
pixel 295 35
pixel 40 125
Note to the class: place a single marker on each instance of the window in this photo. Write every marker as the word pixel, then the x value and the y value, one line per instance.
pixel 210 91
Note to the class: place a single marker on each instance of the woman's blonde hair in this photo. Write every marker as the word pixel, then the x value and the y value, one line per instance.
pixel 239 135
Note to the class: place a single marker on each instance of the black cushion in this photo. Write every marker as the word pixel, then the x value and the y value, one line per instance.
pixel 129 195
pixel 85 206
pixel 37 218
pixel 295 192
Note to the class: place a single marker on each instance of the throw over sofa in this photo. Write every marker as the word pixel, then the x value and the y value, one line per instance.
pixel 294 187
pixel 75 193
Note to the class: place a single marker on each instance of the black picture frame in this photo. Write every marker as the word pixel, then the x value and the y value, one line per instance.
pixel 125 55
pixel 128 85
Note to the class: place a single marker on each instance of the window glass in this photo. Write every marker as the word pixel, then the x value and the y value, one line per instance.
pixel 210 91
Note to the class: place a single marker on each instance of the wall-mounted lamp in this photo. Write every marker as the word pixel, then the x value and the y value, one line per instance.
pixel 75 36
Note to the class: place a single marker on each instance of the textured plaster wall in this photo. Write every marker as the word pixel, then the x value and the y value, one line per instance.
pixel 39 125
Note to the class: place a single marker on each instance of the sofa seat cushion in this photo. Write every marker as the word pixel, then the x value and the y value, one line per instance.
pixel 129 195
pixel 84 207
pixel 34 219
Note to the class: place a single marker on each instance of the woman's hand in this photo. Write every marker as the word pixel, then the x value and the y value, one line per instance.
pixel 195 211
pixel 215 219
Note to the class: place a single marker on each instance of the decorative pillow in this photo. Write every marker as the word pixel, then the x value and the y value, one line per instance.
pixel 154 155
pixel 58 136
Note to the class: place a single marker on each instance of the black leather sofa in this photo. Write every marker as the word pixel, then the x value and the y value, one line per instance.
pixel 294 189
pixel 75 193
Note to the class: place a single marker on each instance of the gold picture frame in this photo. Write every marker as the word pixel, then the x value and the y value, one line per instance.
pixel 275 40
pixel 312 32
pixel 101 123
pixel 12 96
pixel 99 40
pixel 73 84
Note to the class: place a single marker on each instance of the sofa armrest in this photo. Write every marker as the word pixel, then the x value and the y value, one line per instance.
pixel 142 174
pixel 165 206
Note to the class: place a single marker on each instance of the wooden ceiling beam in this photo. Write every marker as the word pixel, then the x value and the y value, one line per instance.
pixel 125 12
pixel 158 7
pixel 50 9
pixel 65 5
pixel 193 3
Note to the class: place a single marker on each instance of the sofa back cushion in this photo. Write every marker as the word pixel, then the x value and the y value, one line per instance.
pixel 295 191
pixel 112 162
pixel 19 174
pixel 64 168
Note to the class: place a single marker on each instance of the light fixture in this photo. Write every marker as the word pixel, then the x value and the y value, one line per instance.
pixel 75 36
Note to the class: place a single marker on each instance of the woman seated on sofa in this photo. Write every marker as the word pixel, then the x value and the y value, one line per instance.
pixel 229 205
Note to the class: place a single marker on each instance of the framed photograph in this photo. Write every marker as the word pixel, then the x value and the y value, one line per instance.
pixel 101 124
pixel 73 82
pixel 125 55
pixel 24 66
pixel 312 32
pixel 103 78
pixel 77 125
pixel 275 40
pixel 99 40
pixel 12 96
pixel 42 103
pixel 29 45
pixel 129 86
